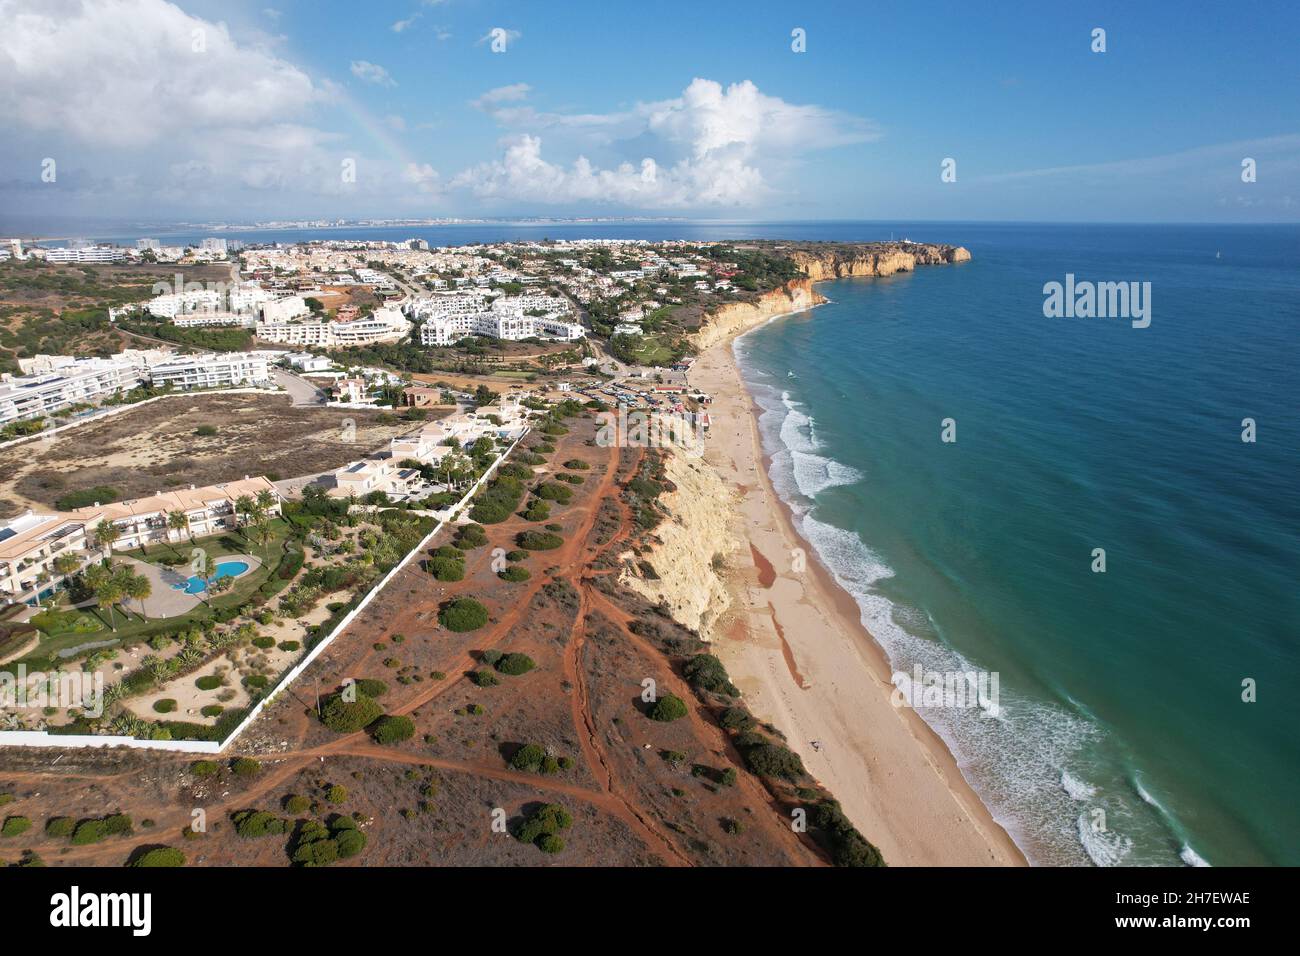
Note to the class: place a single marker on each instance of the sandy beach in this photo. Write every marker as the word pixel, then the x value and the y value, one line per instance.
pixel 793 642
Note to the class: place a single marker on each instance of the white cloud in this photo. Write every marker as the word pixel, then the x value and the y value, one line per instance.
pixel 371 73
pixel 402 25
pixel 714 145
pixel 501 94
pixel 131 72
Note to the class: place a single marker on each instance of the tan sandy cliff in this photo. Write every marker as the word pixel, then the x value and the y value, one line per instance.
pixel 693 544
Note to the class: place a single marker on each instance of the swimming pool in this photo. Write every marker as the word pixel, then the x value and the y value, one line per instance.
pixel 224 569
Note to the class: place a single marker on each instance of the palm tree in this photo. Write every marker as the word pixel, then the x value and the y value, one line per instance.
pixel 179 521
pixel 66 564
pixel 106 533
pixel 108 590
pixel 266 501
pixel 244 508
pixel 137 586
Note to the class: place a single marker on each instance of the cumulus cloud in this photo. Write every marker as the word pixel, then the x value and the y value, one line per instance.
pixel 131 72
pixel 372 73
pixel 402 25
pixel 714 145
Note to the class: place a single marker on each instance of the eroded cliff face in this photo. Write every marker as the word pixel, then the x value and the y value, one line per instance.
pixel 736 317
pixel 875 259
pixel 681 570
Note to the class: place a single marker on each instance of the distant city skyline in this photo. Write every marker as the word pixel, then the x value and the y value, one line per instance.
pixel 150 111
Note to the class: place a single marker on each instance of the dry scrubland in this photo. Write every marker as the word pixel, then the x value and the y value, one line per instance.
pixel 572 730
pixel 155 447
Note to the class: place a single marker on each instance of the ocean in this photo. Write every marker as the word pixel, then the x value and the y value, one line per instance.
pixel 1122 736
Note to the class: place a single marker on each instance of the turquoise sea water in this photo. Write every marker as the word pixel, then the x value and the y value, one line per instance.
pixel 1123 737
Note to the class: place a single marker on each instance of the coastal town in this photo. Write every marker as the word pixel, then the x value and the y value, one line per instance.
pixel 330 460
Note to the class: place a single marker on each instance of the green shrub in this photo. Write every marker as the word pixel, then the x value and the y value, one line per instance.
pixel 773 760
pixel 516 556
pixel 446 569
pixel 528 758
pixel 164 706
pixel 204 768
pixel 371 687
pixel 736 718
pixel 548 820
pixel 514 573
pixel 576 464
pixel 88 832
pixel 245 766
pixel 705 672
pixel 296 804
pixel 667 708
pixel 471 536
pixel 60 827
pixel 13 826
pixel 463 614
pixel 117 824
pixel 254 824
pixel 515 664
pixel 87 497
pixel 484 678
pixel 289 646
pixel 392 730
pixel 491 656
pixel 256 681
pixel 538 540
pixel 211 710
pixel 159 856
pixel 344 717
pixel 208 682
pixel 550 491
pixel 337 793
pixel 264 643
pixel 550 843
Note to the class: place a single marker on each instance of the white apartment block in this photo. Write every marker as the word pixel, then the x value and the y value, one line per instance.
pixel 449 318
pixel 202 319
pixel 284 310
pixel 385 325
pixel 207 510
pixel 220 370
pixel 29 545
pixel 80 381
pixel 213 245
pixel 85 254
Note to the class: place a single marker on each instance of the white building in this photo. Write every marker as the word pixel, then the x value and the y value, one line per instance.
pixel 284 310
pixel 208 370
pixel 213 245
pixel 385 325
pixel 81 381
pixel 85 254
pixel 449 318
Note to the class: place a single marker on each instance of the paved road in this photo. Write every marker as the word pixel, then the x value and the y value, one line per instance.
pixel 302 391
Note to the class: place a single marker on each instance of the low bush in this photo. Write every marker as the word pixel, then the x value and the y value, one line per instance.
pixel 446 569
pixel 159 856
pixel 13 826
pixel 463 614
pixel 347 717
pixel 667 708
pixel 538 540
pixel 515 664
pixel 514 573
pixel 208 682
pixel 392 730
pixel 164 706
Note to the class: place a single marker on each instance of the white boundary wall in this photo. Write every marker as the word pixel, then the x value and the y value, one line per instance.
pixel 41 738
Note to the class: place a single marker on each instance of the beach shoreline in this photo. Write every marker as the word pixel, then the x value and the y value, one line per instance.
pixel 794 642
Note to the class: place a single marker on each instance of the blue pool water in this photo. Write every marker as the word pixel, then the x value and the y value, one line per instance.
pixel 224 569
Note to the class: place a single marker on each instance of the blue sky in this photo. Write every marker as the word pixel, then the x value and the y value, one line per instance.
pixel 683 109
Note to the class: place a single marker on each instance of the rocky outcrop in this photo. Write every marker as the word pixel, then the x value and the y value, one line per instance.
pixel 736 317
pixel 680 570
pixel 836 261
